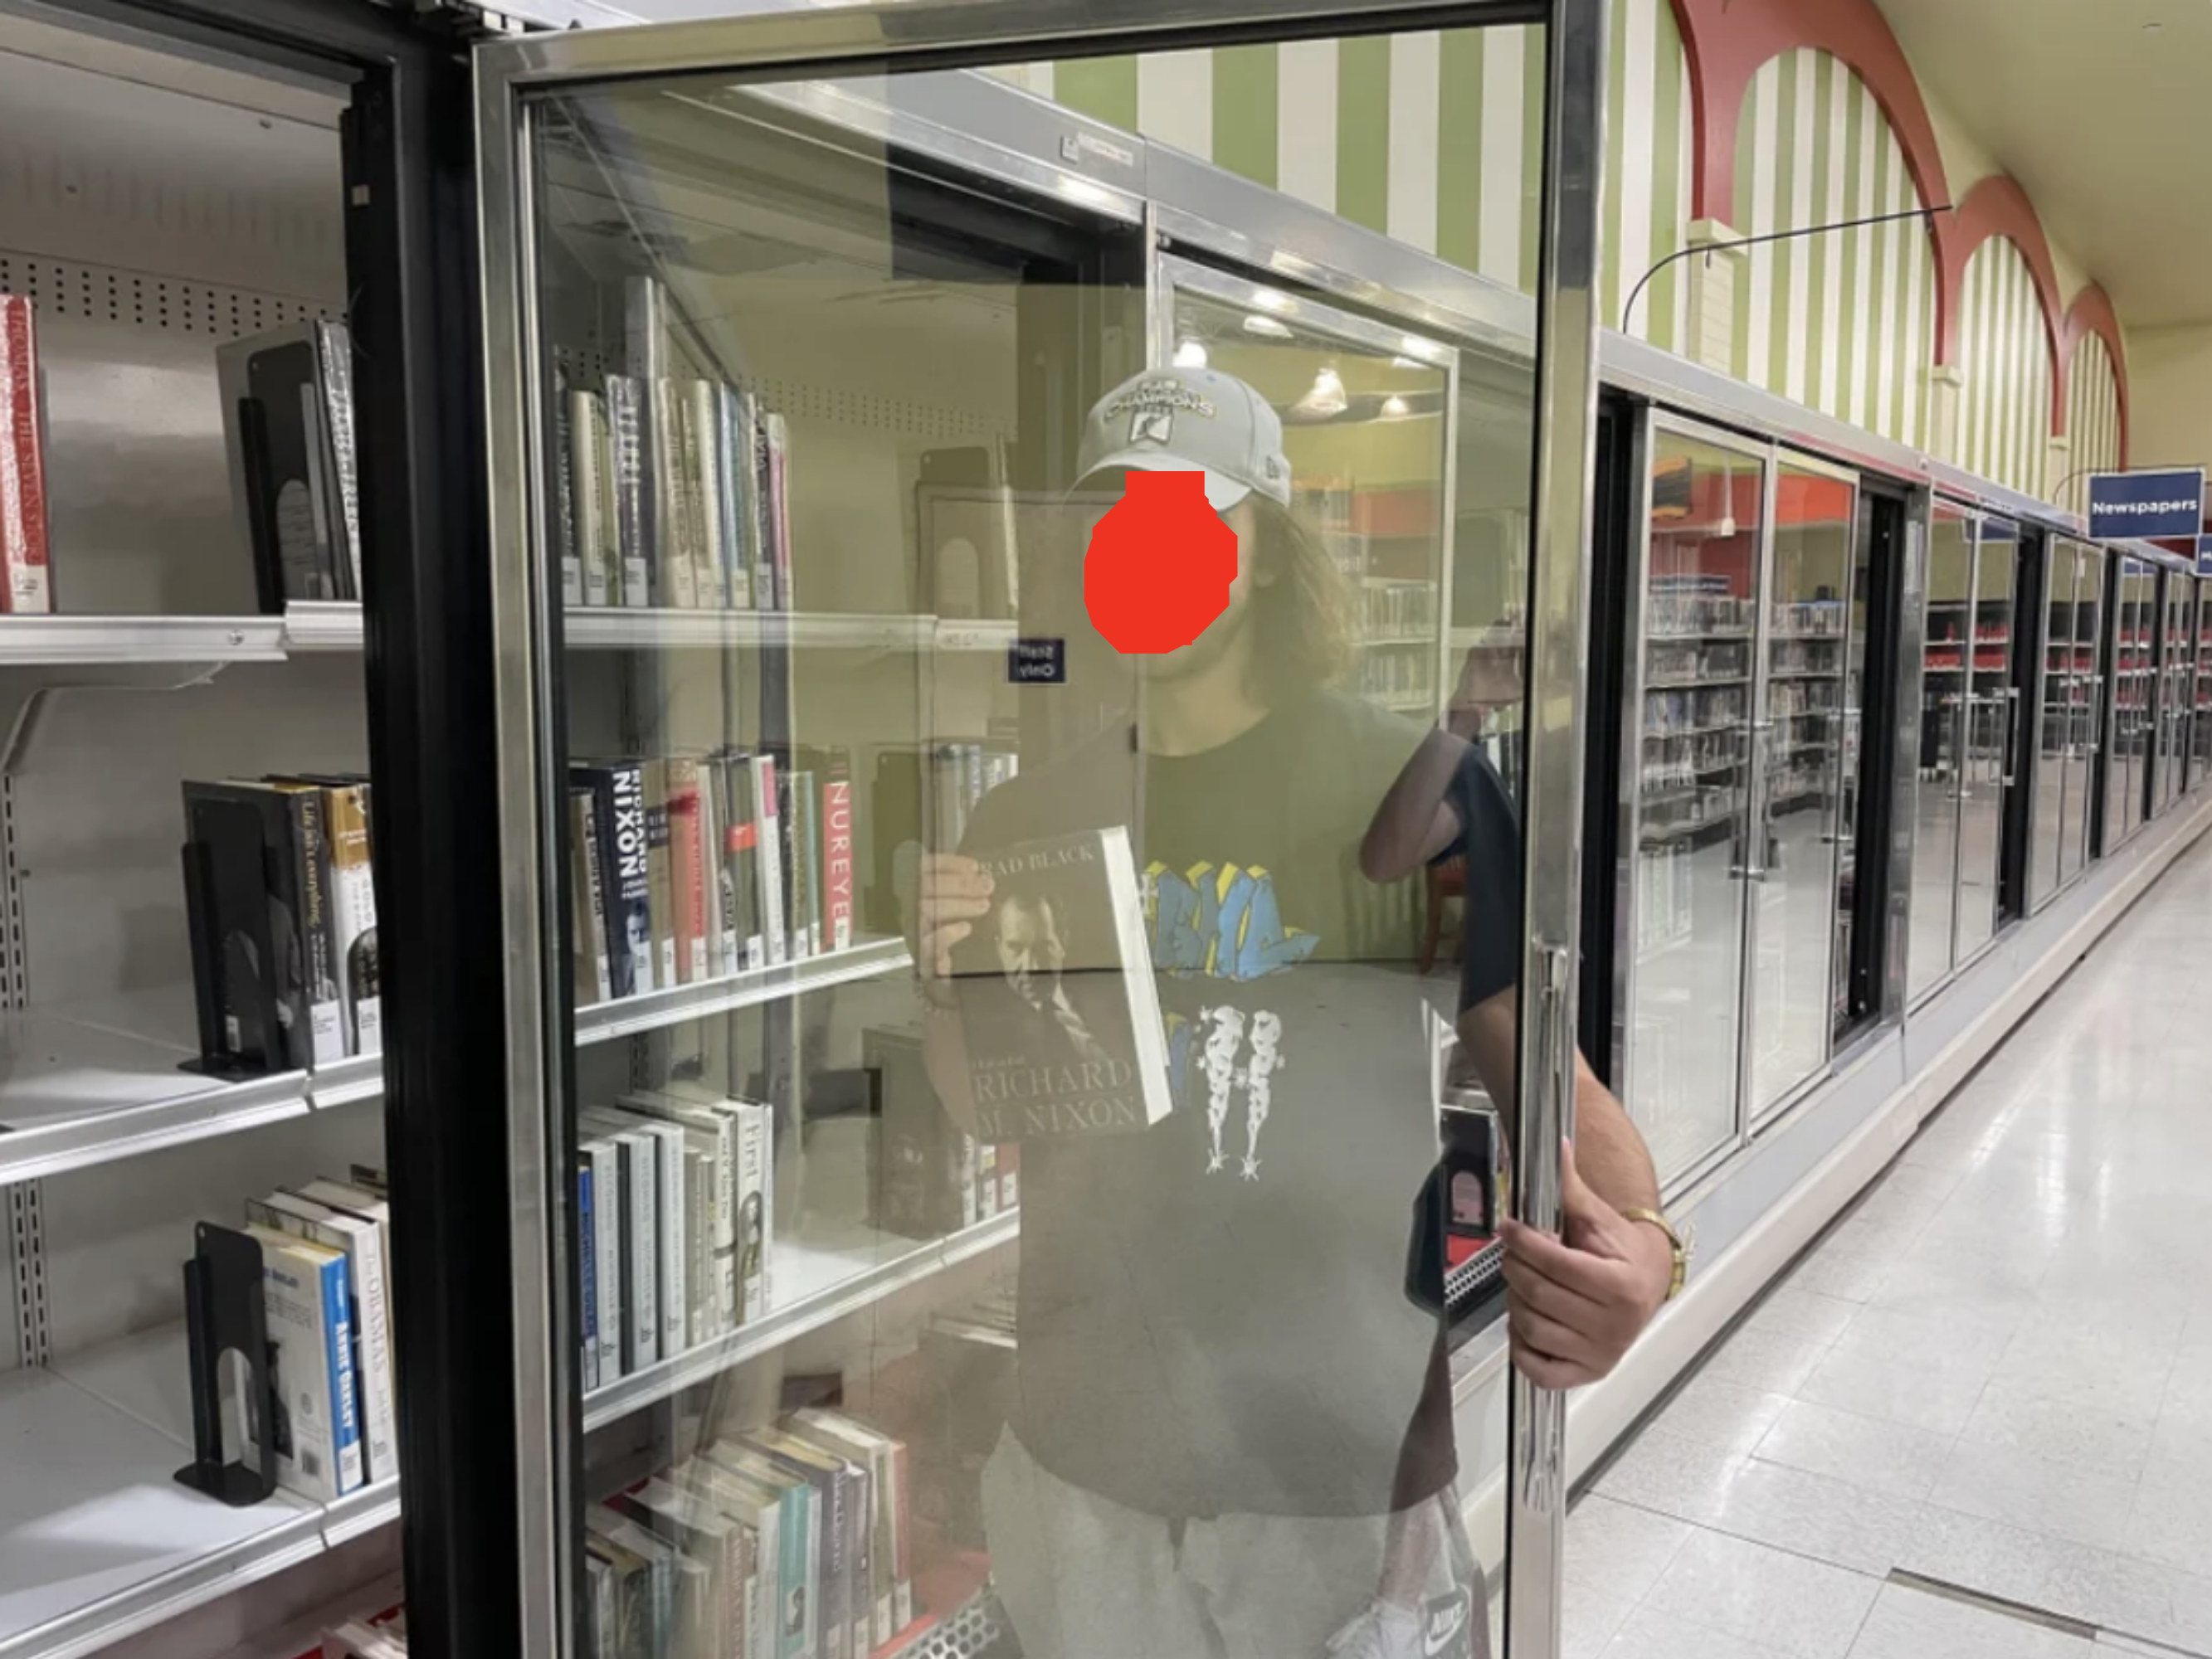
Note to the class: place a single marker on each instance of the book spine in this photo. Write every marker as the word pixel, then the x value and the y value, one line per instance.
pixel 587 1234
pixel 626 876
pixel 755 1218
pixel 594 981
pixel 352 902
pixel 790 850
pixel 779 456
pixel 567 517
pixel 334 356
pixel 734 449
pixel 767 596
pixel 769 860
pixel 24 587
pixel 631 456
pixel 379 1377
pixel 288 943
pixel 345 1387
pixel 740 854
pixel 901 1538
pixel 837 843
pixel 707 869
pixel 703 451
pixel 675 571
pixel 310 855
pixel 673 1238
pixel 702 1301
pixel 687 877
pixel 660 902
pixel 643 1247
pixel 607 1223
pixel 587 466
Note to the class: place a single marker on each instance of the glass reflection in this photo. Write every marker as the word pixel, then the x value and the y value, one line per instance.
pixel 2200 744
pixel 1800 779
pixel 1985 770
pixel 1946 646
pixel 2047 820
pixel 1700 605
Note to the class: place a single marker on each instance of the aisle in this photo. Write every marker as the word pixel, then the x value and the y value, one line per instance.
pixel 1995 1375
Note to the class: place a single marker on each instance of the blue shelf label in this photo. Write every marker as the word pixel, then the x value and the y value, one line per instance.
pixel 1037 662
pixel 2147 506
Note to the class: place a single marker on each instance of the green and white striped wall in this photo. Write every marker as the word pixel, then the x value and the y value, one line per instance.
pixel 2004 355
pixel 1435 139
pixel 1845 322
pixel 2093 418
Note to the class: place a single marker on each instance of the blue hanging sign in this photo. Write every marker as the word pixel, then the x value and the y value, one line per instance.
pixel 2204 555
pixel 2147 506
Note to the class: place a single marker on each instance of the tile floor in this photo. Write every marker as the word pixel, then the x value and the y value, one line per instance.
pixel 1995 1374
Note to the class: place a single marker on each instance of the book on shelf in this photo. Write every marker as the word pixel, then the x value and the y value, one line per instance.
pixel 703 454
pixel 835 1500
pixel 801 1516
pixel 316 1433
pixel 353 914
pixel 567 539
pixel 594 508
pixel 618 816
pixel 610 1269
pixel 307 849
pixel 288 418
pixel 744 943
pixel 772 446
pixel 629 458
pixel 1059 1009
pixel 925 1182
pixel 738 414
pixel 247 898
pixel 666 1254
pixel 587 1268
pixel 660 896
pixel 774 877
pixel 26 586
pixel 361 1242
pixel 593 972
pixel 694 945
pixel 829 795
pixel 649 1590
pixel 719 1547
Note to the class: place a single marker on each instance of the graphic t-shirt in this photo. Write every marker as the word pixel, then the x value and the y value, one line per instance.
pixel 1213 1313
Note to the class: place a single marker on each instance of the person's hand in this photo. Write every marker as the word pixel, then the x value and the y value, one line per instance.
pixel 1578 1302
pixel 951 892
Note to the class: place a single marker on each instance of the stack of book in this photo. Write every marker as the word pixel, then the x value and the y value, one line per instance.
pixel 691 868
pixel 931 1177
pixel 24 586
pixel 675 1202
pixel 788 1542
pixel 281 906
pixel 295 482
pixel 671 491
pixel 326 1282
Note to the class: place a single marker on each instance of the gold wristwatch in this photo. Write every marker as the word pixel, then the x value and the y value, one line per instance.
pixel 1675 1241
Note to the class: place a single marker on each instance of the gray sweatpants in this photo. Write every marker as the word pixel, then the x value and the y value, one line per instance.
pixel 1084 1577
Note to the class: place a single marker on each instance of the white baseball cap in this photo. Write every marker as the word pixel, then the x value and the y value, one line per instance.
pixel 1189 420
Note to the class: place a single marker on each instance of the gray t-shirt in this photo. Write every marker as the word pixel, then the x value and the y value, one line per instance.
pixel 1213 1313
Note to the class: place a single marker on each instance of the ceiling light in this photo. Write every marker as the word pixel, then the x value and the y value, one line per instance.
pixel 1269 300
pixel 1428 351
pixel 1395 408
pixel 1191 354
pixel 1326 397
pixel 1256 324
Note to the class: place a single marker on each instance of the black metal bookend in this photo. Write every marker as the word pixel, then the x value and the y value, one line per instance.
pixel 223 1313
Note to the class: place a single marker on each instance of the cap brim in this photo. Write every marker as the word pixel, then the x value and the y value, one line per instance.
pixel 1221 493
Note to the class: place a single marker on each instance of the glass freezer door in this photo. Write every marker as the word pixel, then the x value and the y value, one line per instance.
pixel 1986 762
pixel 1947 656
pixel 1007 1181
pixel 2081 710
pixel 2200 744
pixel 2047 830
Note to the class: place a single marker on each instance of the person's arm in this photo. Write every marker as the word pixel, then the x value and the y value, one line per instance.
pixel 1417 819
pixel 1577 1302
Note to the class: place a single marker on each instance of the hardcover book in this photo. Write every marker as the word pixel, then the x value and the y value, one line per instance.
pixel 592 483
pixel 1058 1005
pixel 594 981
pixel 368 1315
pixel 292 488
pixel 660 887
pixel 619 827
pixel 631 461
pixel 317 1430
pixel 23 548
pixel 353 916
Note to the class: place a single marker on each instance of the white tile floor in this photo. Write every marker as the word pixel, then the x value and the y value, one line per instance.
pixel 1996 1374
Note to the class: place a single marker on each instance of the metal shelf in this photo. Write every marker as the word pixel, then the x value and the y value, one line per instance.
pixel 97 1539
pixel 604 1022
pixel 818 1281
pixel 611 628
pixel 1698 684
pixel 65 641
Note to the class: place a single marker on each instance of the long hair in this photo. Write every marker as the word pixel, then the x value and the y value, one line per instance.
pixel 1302 618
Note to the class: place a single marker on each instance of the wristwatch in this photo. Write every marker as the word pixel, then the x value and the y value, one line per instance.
pixel 1675 1241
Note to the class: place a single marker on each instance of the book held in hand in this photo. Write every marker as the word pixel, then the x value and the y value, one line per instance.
pixel 1058 1005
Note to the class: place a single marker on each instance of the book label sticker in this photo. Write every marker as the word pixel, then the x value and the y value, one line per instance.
pixel 1036 662
pixel 326 1026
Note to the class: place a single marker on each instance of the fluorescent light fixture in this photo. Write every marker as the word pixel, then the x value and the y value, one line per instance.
pixel 1268 299
pixel 1256 324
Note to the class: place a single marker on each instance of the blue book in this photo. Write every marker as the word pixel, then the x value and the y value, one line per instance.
pixel 587 1231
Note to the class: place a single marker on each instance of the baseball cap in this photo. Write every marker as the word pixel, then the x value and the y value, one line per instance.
pixel 1189 420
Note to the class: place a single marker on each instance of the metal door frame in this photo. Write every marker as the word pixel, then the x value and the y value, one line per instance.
pixel 2055 879
pixel 1754 1119
pixel 1970 516
pixel 1960 963
pixel 1762 451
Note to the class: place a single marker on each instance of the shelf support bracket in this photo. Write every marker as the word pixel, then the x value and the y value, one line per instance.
pixel 23 730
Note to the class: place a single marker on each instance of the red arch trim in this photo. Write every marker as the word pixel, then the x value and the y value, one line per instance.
pixel 1999 207
pixel 1729 41
pixel 2091 313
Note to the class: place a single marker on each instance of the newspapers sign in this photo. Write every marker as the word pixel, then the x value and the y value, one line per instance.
pixel 2204 555
pixel 2147 506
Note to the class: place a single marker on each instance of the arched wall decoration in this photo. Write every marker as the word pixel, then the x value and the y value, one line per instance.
pixel 2091 315
pixel 1999 207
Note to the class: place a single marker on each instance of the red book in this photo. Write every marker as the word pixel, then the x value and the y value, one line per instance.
pixel 687 867
pixel 22 465
pixel 837 853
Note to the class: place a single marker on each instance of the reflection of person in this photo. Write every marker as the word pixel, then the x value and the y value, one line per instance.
pixel 1032 949
pixel 1233 1432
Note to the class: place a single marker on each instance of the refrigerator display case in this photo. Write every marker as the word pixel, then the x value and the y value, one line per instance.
pixel 2200 738
pixel 2069 710
pixel 912 960
pixel 2177 685
pixel 1739 711
pixel 2131 754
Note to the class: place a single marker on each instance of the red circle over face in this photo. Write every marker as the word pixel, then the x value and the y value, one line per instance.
pixel 1160 565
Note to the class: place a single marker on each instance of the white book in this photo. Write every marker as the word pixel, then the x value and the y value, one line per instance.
pixel 318 1430
pixel 606 1249
pixel 356 1200
pixel 638 1247
pixel 716 1131
pixel 703 450
pixel 593 491
pixel 362 1241
pixel 718 942
pixel 679 567
pixel 752 1192
pixel 668 1253
pixel 769 858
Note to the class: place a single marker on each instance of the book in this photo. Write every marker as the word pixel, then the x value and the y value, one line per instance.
pixel 716 953
pixel 660 896
pixel 686 870
pixel 702 420
pixel 368 1316
pixel 802 1514
pixel 744 946
pixel 660 1147
pixel 719 1544
pixel 924 1186
pixel 607 1252
pixel 618 827
pixel 741 521
pixel 588 906
pixel 831 770
pixel 773 1508
pixel 660 1585
pixel 317 1430
pixel 776 443
pixel 637 1252
pixel 591 487
pixel 588 1251
pixel 334 359
pixel 356 1199
pixel 629 1626
pixel 566 546
pixel 713 1131
pixel 841 1489
pixel 308 851
pixel 278 408
pixel 862 1446
pixel 1058 1006
pixel 801 852
pixel 630 463
pixel 353 916
pixel 24 552
pixel 772 882
pixel 676 574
